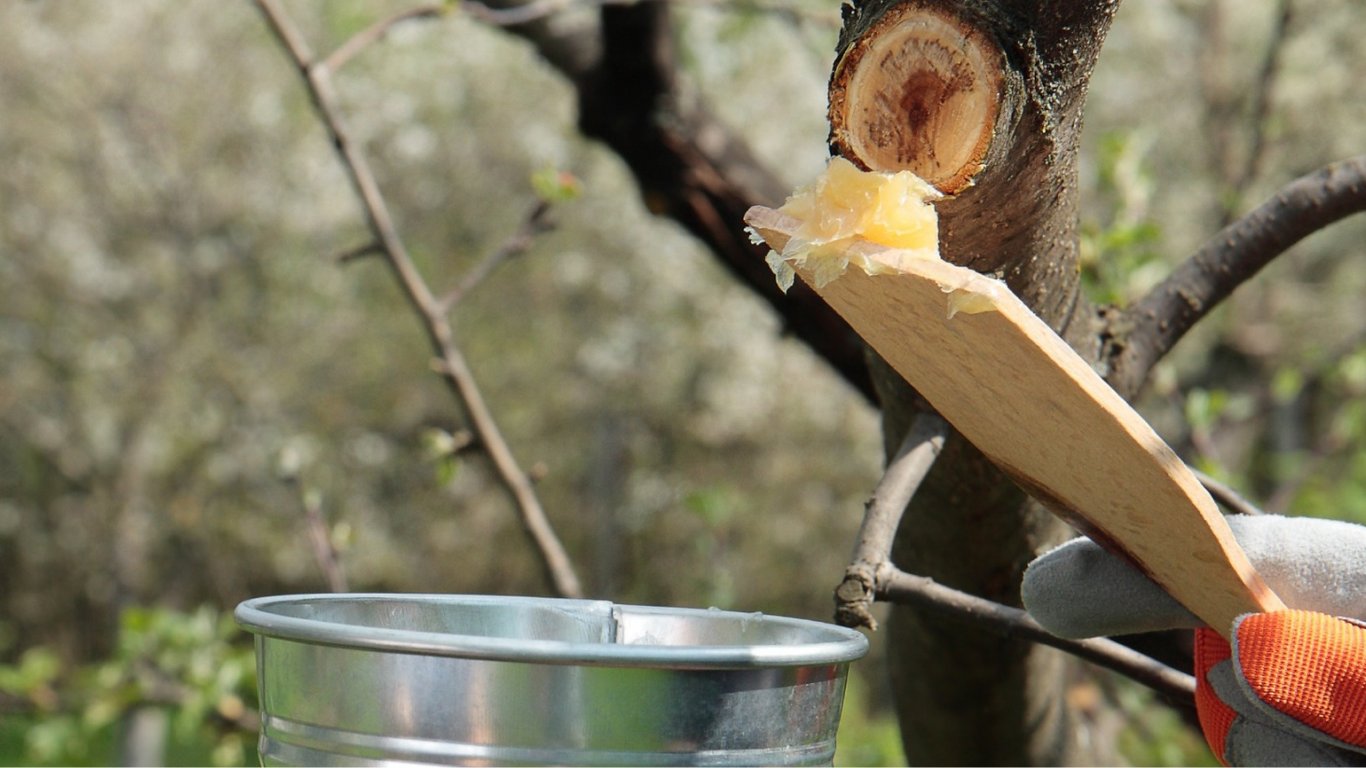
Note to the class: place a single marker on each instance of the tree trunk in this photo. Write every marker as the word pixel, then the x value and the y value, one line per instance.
pixel 984 99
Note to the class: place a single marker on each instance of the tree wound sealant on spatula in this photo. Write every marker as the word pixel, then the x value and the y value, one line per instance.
pixel 868 244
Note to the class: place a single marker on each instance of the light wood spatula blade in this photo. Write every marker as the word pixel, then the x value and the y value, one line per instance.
pixel 1019 393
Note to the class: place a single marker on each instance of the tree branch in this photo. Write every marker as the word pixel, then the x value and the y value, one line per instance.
pixel 358 252
pixel 1226 496
pixel 1145 332
pixel 872 575
pixel 451 361
pixel 1233 111
pixel 375 32
pixel 1261 99
pixel 321 538
pixel 900 587
pixel 535 223
pixel 903 476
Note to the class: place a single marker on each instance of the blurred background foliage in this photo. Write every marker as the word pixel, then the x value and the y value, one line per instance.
pixel 184 363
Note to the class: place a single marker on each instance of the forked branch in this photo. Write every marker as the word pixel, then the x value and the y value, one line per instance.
pixel 883 515
pixel 872 576
pixel 375 32
pixel 535 223
pixel 1146 331
pixel 450 360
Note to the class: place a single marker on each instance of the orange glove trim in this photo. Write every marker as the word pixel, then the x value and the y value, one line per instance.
pixel 1310 666
pixel 1215 716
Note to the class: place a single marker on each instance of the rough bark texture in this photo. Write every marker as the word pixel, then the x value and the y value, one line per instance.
pixel 963 696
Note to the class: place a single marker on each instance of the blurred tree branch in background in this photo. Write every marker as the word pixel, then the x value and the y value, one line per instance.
pixel 689 166
pixel 1236 117
pixel 431 310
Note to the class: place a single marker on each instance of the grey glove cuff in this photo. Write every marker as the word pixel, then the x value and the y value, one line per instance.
pixel 1079 590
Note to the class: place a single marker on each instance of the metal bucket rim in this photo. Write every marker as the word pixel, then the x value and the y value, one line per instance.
pixel 831 644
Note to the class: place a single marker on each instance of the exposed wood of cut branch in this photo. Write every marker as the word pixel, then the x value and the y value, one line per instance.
pixel 1146 331
pixel 919 91
pixel 451 361
pixel 1026 400
pixel 964 96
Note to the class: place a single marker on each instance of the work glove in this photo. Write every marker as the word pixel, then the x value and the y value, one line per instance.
pixel 1291 688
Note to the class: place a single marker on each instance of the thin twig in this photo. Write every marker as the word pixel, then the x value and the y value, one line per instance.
pixel 535 223
pixel 1225 495
pixel 525 13
pixel 323 550
pixel 900 587
pixel 453 366
pixel 882 517
pixel 1261 104
pixel 359 252
pixel 536 10
pixel 375 32
pixel 1161 318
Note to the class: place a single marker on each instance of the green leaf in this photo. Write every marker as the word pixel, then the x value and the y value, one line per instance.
pixel 447 469
pixel 1353 372
pixel 437 443
pixel 715 505
pixel 1204 406
pixel 556 186
pixel 37 667
pixel 1286 384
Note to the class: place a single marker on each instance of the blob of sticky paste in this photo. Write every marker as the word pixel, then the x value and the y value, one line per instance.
pixel 971 302
pixel 845 203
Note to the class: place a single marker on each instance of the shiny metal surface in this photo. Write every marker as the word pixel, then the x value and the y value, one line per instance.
pixel 476 680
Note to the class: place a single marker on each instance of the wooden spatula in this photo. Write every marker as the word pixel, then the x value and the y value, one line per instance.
pixel 1019 393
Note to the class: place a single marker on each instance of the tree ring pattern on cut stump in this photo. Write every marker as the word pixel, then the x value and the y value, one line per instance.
pixel 921 92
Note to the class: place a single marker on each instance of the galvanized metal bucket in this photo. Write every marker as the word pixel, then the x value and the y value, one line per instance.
pixel 475 680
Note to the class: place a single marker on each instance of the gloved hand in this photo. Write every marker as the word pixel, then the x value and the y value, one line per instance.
pixel 1291 689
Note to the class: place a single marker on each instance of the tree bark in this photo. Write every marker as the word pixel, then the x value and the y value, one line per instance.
pixel 984 99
